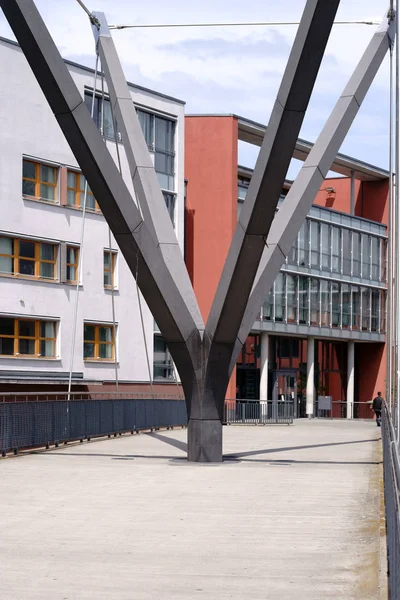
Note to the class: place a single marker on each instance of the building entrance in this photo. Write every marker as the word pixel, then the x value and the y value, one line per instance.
pixel 285 389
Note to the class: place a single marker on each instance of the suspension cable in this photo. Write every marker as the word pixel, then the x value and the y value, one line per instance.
pixel 243 24
pixel 91 16
pixel 137 256
pixel 109 238
pixel 80 257
pixel 390 303
pixel 143 328
pixel 397 220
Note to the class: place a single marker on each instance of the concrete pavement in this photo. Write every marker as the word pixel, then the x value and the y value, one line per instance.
pixel 293 513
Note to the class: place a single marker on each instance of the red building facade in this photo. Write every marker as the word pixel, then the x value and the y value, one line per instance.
pixel 328 306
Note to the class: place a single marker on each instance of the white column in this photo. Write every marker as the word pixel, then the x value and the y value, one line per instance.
pixel 264 341
pixel 350 380
pixel 310 378
pixel 264 366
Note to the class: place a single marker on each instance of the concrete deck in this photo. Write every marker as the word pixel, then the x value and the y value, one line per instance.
pixel 292 514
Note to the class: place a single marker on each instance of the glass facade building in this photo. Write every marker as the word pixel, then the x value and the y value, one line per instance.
pixel 330 290
pixel 334 278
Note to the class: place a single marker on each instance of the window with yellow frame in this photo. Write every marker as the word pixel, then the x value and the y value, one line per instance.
pixel 27 337
pixel 72 264
pixel 27 258
pixel 98 342
pixel 39 181
pixel 109 269
pixel 76 192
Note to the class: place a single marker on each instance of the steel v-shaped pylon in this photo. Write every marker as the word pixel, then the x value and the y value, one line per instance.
pixel 203 355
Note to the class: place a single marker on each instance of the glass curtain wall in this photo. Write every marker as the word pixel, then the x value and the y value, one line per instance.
pixel 312 301
pixel 331 249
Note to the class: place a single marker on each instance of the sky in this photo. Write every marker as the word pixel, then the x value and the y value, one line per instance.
pixel 232 70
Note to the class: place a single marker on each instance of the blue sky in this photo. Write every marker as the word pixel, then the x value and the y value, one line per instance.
pixel 232 70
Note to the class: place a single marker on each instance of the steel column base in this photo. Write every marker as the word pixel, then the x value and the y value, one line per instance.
pixel 204 441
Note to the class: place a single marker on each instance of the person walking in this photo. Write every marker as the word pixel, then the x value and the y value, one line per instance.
pixel 377 408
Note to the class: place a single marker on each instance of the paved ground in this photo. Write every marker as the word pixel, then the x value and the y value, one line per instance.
pixel 293 514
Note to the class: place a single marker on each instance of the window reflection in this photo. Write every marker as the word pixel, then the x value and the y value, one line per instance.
pixel 335 304
pixel 334 250
pixel 297 299
pixel 303 300
pixel 279 298
pixel 325 303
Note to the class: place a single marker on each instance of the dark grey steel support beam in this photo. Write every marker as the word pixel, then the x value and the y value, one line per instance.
pixel 301 195
pixel 270 171
pixel 159 284
pixel 144 178
pixel 248 243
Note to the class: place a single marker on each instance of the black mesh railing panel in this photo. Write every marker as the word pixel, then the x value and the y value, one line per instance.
pixel 30 424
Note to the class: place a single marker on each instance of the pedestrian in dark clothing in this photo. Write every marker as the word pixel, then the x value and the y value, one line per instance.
pixel 377 408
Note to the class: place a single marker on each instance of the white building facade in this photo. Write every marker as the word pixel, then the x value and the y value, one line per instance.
pixel 44 332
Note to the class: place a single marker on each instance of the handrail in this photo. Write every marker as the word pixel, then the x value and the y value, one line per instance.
pixel 6 397
pixel 391 472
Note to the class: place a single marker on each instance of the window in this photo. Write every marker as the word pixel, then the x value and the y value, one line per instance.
pixel 375 257
pixel 346 305
pixel 356 254
pixel 325 303
pixel 291 293
pixel 27 258
pixel 375 306
pixel 325 247
pixel 314 301
pixel 383 311
pixel 146 121
pixel 268 306
pixel 346 251
pixel 72 264
pixel 165 153
pixel 159 134
pixel 365 308
pixel 98 342
pixel 162 362
pixel 39 181
pixel 170 204
pixel 76 192
pixel 314 241
pixel 335 289
pixel 356 307
pixel 101 114
pixel 280 297
pixel 303 245
pixel 27 337
pixel 243 186
pixel 383 259
pixel 335 233
pixel 303 300
pixel 366 256
pixel 109 269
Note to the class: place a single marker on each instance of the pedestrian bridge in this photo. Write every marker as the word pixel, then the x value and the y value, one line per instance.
pixel 293 512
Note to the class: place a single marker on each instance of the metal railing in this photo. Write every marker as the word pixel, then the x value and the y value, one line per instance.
pixel 248 412
pixel 391 475
pixel 92 395
pixel 44 422
pixel 340 410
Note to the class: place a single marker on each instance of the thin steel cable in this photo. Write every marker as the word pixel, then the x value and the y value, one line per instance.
pixel 243 24
pixel 137 257
pixel 397 204
pixel 109 234
pixel 143 328
pixel 91 16
pixel 80 260
pixel 389 312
